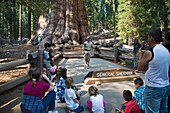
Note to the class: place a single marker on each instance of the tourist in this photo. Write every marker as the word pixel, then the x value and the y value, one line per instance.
pixel 70 97
pixel 34 99
pixel 136 47
pixel 156 77
pixel 129 105
pixel 47 59
pixel 139 93
pixel 96 103
pixel 59 84
pixel 167 45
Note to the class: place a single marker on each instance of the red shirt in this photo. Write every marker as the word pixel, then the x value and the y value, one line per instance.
pixel 132 107
pixel 39 89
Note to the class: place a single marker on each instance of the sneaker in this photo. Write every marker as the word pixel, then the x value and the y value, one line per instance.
pixel 117 110
pixel 71 111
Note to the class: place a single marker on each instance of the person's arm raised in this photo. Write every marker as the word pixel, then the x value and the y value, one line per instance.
pixel 48 80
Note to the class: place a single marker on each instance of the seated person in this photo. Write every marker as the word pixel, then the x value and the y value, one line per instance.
pixel 70 97
pixel 129 105
pixel 139 93
pixel 34 99
pixel 59 84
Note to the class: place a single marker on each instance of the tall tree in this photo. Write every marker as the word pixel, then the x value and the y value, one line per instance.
pixel 67 23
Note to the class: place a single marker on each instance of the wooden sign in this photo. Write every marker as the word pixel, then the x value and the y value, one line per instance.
pixel 110 75
pixel 112 72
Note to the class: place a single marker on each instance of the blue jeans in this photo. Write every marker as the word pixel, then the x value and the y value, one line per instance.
pixel 49 101
pixel 156 99
pixel 79 109
pixel 135 60
pixel 47 66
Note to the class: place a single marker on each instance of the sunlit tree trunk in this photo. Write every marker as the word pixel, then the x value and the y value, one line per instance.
pixel 67 22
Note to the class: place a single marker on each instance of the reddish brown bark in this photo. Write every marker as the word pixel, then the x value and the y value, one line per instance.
pixel 67 22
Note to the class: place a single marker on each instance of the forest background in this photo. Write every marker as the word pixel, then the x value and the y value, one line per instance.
pixel 127 19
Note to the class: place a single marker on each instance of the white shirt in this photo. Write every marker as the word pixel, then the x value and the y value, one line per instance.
pixel 70 95
pixel 157 73
pixel 97 103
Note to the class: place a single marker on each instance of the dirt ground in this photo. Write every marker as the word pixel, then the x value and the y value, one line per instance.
pixel 11 54
pixel 9 100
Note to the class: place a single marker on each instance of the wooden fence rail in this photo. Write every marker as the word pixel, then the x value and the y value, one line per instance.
pixel 115 54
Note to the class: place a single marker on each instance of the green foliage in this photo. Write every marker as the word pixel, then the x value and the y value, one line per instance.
pixel 10 16
pixel 136 18
pixel 100 14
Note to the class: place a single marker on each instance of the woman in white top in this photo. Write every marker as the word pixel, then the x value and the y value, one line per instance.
pixel 96 103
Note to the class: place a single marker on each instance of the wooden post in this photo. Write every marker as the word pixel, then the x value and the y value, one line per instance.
pixel 40 57
pixel 116 54
pixel 28 65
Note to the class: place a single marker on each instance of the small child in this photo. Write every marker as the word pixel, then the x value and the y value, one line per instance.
pixel 74 87
pixel 59 83
pixel 139 93
pixel 96 103
pixel 131 104
pixel 70 97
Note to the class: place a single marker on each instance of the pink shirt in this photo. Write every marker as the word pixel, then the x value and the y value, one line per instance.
pixel 132 107
pixel 39 89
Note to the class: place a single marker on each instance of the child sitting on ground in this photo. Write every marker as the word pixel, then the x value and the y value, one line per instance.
pixel 59 84
pixel 130 104
pixel 139 93
pixel 96 103
pixel 70 97
pixel 74 87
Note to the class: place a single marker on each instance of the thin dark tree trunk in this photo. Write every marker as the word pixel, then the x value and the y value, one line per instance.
pixel 14 20
pixel 29 24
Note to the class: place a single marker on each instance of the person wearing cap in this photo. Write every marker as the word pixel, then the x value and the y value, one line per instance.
pixel 59 84
pixel 87 49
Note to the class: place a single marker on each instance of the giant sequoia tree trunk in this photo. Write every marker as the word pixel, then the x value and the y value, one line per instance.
pixel 67 23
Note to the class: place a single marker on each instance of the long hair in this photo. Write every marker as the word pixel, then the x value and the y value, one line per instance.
pixel 93 91
pixel 35 76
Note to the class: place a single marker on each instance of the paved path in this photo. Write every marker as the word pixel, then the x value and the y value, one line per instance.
pixel 112 91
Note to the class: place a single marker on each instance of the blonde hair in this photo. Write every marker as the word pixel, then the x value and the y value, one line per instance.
pixel 68 82
pixel 93 91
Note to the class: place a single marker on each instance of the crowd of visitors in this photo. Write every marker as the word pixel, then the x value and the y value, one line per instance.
pixel 151 98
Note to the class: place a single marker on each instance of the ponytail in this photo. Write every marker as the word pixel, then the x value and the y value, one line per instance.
pixel 33 82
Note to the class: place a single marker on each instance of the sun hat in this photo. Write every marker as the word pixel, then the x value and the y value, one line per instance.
pixel 53 69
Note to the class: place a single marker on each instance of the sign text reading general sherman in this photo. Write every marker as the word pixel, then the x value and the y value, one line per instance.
pixel 112 72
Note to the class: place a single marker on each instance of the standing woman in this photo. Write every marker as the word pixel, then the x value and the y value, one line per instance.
pixel 136 46
pixel 34 99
